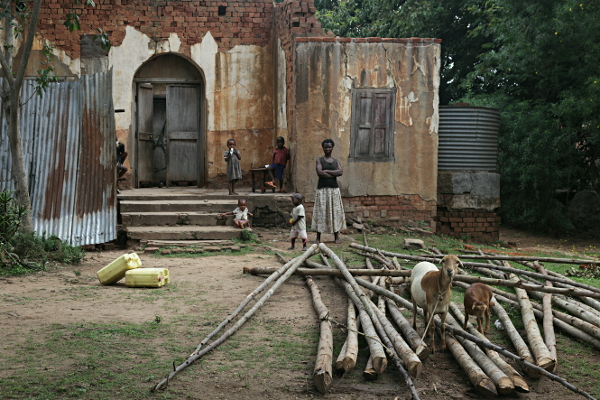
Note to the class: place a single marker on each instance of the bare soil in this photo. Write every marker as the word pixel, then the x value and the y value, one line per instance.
pixel 256 366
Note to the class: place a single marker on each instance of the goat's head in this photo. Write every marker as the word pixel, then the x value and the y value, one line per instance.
pixel 450 265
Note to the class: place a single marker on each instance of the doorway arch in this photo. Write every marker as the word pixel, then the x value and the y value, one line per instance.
pixel 169 121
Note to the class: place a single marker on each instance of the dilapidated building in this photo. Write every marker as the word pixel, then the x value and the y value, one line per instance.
pixel 189 75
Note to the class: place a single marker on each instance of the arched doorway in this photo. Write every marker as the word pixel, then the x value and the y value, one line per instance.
pixel 169 123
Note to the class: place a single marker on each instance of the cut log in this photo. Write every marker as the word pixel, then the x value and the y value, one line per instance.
pixel 339 362
pixel 370 374
pixel 519 383
pixel 352 289
pixel 412 337
pixel 381 299
pixel 502 382
pixel 352 338
pixel 322 375
pixel 411 361
pixel 528 258
pixel 549 337
pixel 190 360
pixel 482 383
pixel 488 345
pixel 476 266
pixel 539 349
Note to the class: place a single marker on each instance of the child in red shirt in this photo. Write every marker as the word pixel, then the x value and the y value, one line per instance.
pixel 280 157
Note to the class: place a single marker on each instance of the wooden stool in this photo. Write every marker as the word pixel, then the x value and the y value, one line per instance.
pixel 260 183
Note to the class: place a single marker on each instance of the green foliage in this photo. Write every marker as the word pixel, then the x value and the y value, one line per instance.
pixel 19 252
pixel 248 236
pixel 535 61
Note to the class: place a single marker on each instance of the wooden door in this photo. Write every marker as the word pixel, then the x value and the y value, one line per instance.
pixel 145 144
pixel 183 131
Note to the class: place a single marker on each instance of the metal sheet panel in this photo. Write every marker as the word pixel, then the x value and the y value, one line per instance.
pixel 468 138
pixel 70 155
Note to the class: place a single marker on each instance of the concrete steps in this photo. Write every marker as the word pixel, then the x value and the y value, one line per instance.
pixel 173 218
pixel 185 232
pixel 178 205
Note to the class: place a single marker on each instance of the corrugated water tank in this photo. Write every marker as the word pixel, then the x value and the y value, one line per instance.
pixel 468 138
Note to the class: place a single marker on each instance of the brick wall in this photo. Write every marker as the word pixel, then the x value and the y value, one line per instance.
pixel 243 23
pixel 391 211
pixel 479 225
pixel 294 18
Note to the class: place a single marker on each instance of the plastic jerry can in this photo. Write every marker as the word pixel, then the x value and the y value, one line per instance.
pixel 147 277
pixel 115 271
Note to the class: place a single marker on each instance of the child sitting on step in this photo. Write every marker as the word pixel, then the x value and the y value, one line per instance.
pixel 298 221
pixel 240 215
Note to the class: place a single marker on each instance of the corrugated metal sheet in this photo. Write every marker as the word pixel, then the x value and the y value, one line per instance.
pixel 468 138
pixel 69 144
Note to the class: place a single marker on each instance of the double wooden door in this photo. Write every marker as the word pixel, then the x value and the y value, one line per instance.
pixel 170 146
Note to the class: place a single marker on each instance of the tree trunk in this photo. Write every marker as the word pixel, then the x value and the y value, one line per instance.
pixel 339 362
pixel 515 338
pixel 519 383
pixel 534 337
pixel 549 337
pixel 526 258
pixel 327 271
pixel 351 355
pixel 190 360
pixel 413 338
pixel 478 378
pixel 410 359
pixel 322 376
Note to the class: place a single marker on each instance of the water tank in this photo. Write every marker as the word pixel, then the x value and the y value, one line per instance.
pixel 468 138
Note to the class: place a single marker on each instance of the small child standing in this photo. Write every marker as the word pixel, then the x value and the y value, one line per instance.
pixel 234 171
pixel 298 221
pixel 240 214
pixel 281 155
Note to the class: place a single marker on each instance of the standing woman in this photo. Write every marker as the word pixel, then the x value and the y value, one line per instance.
pixel 328 213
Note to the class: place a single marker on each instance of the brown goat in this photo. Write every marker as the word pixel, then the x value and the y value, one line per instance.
pixel 478 299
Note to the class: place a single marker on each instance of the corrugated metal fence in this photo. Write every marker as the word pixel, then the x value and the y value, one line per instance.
pixel 69 144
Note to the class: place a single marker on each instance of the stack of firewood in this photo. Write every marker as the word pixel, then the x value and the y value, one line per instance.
pixel 374 311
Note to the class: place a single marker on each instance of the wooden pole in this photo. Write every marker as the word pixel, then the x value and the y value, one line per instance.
pixel 190 360
pixel 411 361
pixel 339 362
pixel 549 337
pixel 370 374
pixel 276 274
pixel 475 267
pixel 352 338
pixel 322 376
pixel 488 345
pixel 414 340
pixel 519 383
pixel 528 258
pixel 357 295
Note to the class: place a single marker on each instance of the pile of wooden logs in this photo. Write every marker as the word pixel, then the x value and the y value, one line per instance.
pixel 374 312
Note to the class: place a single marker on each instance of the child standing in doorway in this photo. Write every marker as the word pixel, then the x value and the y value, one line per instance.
pixel 281 155
pixel 240 215
pixel 234 171
pixel 298 222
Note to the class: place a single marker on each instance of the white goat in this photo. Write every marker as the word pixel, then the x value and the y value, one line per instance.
pixel 430 290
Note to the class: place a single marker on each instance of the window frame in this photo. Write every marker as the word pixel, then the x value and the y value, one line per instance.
pixel 355 128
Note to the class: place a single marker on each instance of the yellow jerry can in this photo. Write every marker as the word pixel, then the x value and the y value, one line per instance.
pixel 147 277
pixel 115 271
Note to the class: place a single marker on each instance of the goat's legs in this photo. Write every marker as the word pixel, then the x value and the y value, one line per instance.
pixel 414 313
pixel 443 329
pixel 488 317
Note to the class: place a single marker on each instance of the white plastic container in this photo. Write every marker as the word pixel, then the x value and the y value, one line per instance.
pixel 115 271
pixel 147 277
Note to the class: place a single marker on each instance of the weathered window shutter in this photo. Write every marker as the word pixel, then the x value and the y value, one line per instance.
pixel 372 124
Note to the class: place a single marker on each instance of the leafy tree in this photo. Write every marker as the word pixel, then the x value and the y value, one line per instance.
pixel 16 16
pixel 535 61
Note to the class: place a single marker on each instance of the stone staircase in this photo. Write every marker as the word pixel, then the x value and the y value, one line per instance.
pixel 189 214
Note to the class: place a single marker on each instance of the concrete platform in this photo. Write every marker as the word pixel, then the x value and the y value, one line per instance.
pixel 174 218
pixel 182 232
pixel 177 205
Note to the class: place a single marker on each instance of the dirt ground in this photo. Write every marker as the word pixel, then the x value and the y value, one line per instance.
pixel 271 357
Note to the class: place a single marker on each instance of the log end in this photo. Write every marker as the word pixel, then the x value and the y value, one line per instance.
pixel 415 368
pixel 339 365
pixel 322 381
pixel 486 387
pixel 423 352
pixel 249 270
pixel 521 385
pixel 370 375
pixel 379 364
pixel 505 386
pixel 349 363
pixel 548 364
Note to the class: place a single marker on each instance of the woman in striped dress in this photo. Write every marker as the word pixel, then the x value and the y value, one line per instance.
pixel 328 213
